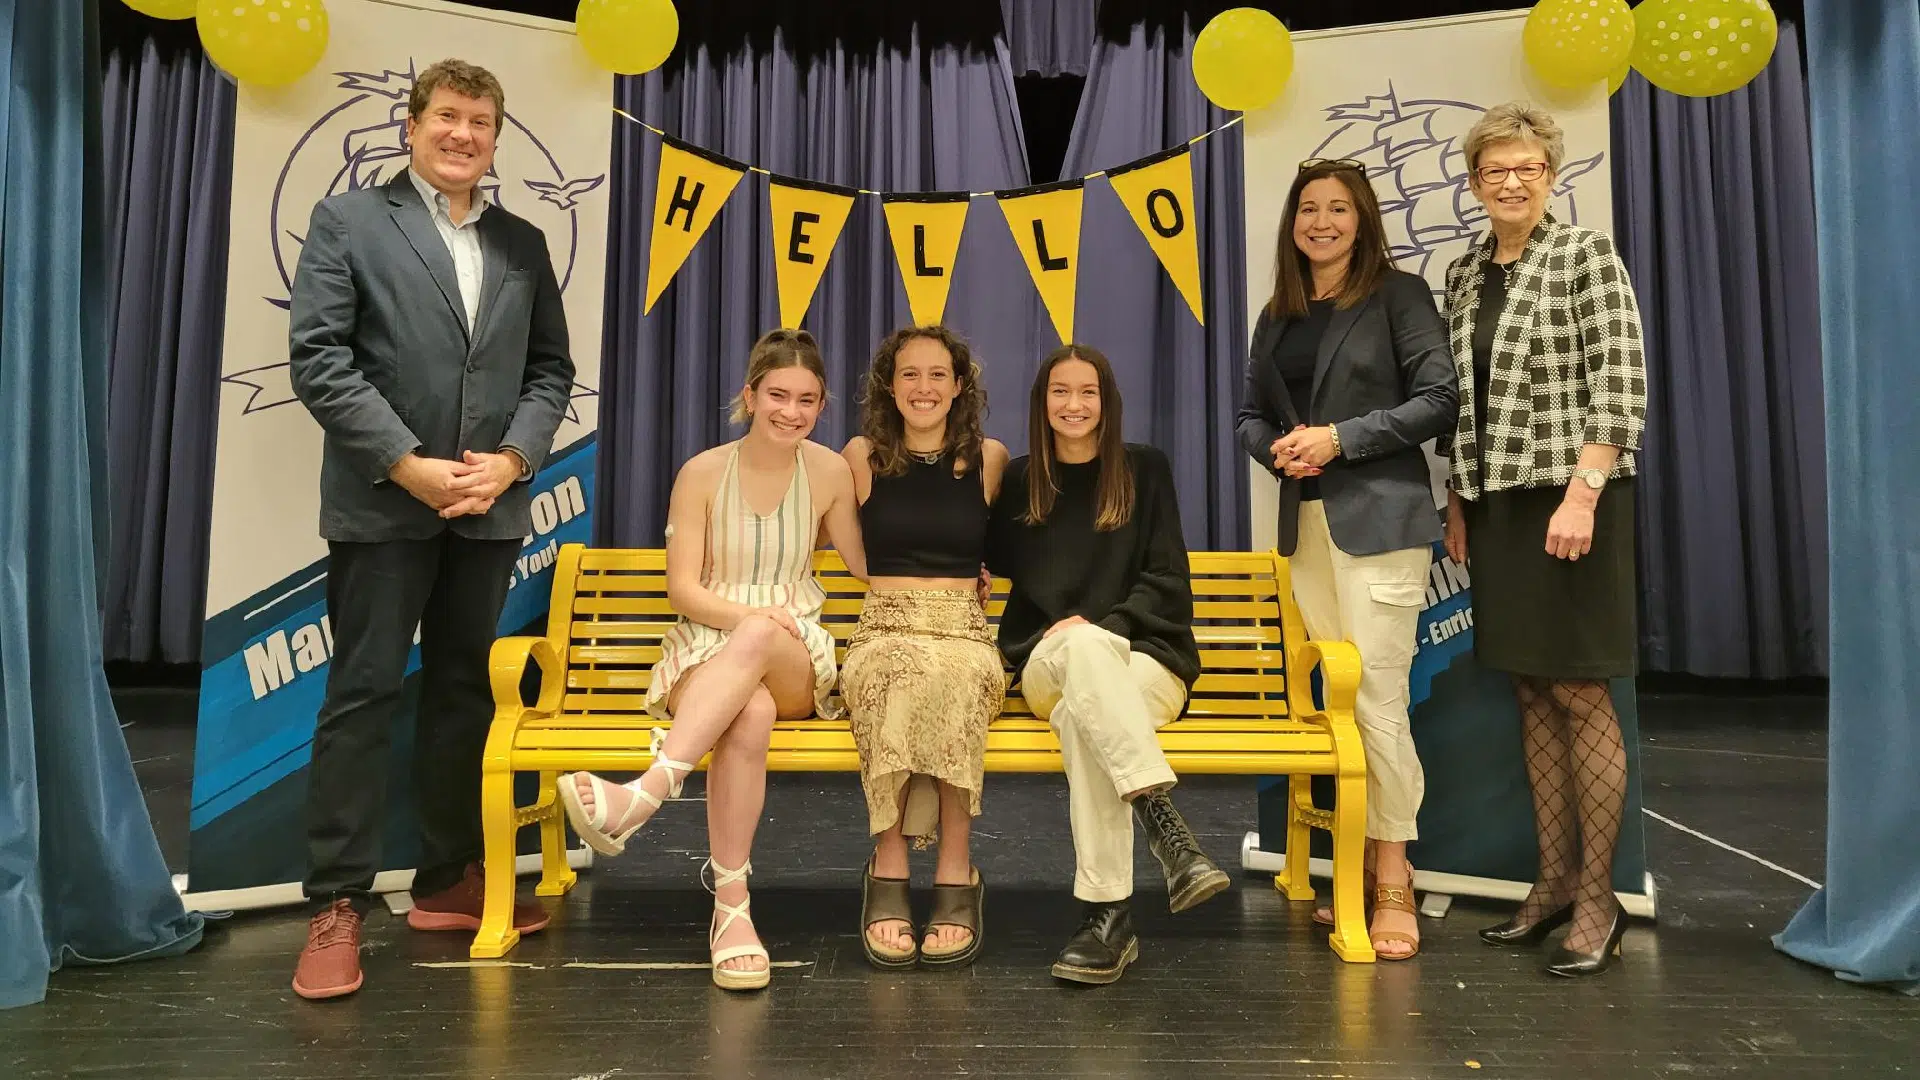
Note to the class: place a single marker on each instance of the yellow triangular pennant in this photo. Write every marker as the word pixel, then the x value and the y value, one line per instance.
pixel 926 228
pixel 807 219
pixel 1158 192
pixel 692 186
pixel 1046 226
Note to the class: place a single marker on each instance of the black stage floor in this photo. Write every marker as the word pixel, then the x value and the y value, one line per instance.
pixel 1241 987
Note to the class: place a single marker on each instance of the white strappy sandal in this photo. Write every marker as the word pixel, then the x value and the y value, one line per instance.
pixel 725 978
pixel 592 825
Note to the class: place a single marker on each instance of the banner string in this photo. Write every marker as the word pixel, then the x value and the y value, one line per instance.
pixel 1195 141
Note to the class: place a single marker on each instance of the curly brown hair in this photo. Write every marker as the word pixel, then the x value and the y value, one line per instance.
pixel 886 429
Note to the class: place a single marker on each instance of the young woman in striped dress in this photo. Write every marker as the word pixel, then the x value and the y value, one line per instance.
pixel 748 647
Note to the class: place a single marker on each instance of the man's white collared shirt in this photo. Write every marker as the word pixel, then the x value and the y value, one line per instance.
pixel 463 240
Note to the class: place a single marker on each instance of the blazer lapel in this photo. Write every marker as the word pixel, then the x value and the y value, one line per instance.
pixel 416 221
pixel 1528 281
pixel 1338 326
pixel 495 254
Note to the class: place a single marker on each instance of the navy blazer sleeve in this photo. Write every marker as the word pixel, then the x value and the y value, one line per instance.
pixel 1255 429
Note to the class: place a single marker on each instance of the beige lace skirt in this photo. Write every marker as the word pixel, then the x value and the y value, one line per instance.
pixel 921 681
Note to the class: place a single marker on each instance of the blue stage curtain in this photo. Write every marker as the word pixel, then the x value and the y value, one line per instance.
pixel 1049 37
pixel 1863 59
pixel 899 109
pixel 1713 212
pixel 81 877
pixel 167 121
pixel 1181 380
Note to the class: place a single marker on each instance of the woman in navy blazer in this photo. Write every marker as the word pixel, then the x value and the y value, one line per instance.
pixel 1349 373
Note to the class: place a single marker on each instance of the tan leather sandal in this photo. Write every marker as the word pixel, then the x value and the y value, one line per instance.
pixel 956 905
pixel 1395 898
pixel 884 900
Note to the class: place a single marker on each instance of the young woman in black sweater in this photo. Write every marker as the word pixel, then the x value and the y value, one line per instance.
pixel 1099 627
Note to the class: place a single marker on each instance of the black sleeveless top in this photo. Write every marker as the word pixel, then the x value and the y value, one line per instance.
pixel 926 522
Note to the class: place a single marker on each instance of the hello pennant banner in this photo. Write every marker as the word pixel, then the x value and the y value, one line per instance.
pixel 808 218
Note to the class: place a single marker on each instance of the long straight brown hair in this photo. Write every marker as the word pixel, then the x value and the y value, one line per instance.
pixel 1293 274
pixel 1113 499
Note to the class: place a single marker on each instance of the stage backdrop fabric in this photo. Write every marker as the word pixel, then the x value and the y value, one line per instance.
pixel 342 127
pixel 81 876
pixel 1863 60
pixel 1401 97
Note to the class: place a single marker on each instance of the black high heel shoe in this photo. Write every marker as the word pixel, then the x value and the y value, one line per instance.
pixel 1571 964
pixel 1514 932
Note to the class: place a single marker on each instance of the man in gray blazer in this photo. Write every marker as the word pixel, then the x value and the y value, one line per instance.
pixel 429 341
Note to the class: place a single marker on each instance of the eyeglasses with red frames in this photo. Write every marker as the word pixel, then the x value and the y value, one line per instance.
pixel 1495 175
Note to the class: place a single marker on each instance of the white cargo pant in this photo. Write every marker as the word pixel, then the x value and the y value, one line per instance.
pixel 1104 702
pixel 1375 602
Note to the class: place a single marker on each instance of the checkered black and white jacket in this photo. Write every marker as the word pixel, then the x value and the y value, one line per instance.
pixel 1567 362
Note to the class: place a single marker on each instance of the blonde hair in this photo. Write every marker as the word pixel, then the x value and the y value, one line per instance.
pixel 778 349
pixel 1516 121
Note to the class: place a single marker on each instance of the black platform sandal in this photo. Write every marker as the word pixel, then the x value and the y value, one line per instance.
pixel 884 900
pixel 956 905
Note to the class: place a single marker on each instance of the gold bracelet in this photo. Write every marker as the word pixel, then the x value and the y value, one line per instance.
pixel 1334 432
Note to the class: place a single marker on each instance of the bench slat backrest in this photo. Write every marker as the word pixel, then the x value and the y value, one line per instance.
pixel 610 608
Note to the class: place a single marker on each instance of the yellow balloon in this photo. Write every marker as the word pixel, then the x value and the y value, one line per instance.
pixel 1618 79
pixel 1242 59
pixel 1704 47
pixel 627 37
pixel 165 9
pixel 263 42
pixel 1578 42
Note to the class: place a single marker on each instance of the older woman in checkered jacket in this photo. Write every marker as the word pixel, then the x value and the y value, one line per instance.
pixel 1546 341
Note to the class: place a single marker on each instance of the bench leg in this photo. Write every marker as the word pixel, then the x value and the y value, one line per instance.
pixel 497 936
pixel 1293 880
pixel 556 877
pixel 1349 938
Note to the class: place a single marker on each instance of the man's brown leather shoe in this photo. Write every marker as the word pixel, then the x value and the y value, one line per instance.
pixel 330 964
pixel 459 908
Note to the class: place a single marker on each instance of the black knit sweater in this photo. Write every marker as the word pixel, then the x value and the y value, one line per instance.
pixel 1132 580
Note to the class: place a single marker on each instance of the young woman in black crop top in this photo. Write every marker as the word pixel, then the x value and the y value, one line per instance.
pixel 922 677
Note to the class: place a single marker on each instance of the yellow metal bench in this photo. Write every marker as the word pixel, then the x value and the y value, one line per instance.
pixel 1251 713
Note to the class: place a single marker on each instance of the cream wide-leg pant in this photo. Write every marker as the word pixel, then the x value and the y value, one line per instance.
pixel 1375 602
pixel 1104 702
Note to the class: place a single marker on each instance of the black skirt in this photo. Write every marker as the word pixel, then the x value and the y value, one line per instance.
pixel 1553 618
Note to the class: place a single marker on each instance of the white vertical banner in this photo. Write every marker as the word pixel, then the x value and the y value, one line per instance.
pixel 342 127
pixel 1400 98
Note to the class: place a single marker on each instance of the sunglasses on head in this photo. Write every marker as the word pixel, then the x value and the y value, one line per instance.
pixel 1334 163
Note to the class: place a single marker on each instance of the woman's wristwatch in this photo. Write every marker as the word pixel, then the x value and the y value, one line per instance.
pixel 1593 478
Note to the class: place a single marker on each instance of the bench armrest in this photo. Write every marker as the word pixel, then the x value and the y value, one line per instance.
pixel 1339 664
pixel 507 665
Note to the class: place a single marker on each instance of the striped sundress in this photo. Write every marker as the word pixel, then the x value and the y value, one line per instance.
pixel 759 561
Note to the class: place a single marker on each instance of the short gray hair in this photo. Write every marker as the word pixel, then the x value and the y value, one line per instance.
pixel 1517 121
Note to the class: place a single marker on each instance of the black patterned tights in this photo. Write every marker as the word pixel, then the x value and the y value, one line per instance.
pixel 1577 768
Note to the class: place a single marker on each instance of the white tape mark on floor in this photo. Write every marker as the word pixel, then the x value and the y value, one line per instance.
pixel 674 966
pixel 1802 878
pixel 478 964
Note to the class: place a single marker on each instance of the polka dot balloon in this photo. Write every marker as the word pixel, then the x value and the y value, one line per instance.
pixel 1700 48
pixel 1578 42
pixel 263 42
